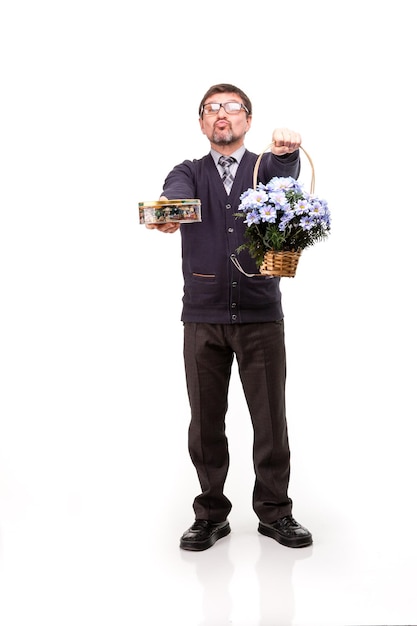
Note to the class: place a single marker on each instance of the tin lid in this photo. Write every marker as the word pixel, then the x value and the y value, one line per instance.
pixel 156 204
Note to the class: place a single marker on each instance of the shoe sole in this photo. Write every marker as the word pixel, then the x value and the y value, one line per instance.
pixel 288 542
pixel 204 545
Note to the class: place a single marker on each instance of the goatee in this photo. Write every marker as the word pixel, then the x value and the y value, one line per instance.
pixel 222 139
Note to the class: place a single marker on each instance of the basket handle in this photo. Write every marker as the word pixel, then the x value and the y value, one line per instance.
pixel 258 161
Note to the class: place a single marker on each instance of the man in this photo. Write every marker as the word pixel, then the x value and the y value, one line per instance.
pixel 227 315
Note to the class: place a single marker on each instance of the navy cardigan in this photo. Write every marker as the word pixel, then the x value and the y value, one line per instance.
pixel 215 291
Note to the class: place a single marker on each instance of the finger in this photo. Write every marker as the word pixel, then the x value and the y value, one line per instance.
pixel 173 228
pixel 161 227
pixel 169 228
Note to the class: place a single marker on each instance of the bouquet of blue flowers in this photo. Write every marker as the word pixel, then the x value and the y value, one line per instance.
pixel 281 217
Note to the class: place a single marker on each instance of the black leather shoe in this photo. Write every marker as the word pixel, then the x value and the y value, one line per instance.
pixel 203 534
pixel 288 532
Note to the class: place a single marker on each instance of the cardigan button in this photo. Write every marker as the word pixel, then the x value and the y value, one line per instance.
pixel 228 206
pixel 230 230
pixel 234 317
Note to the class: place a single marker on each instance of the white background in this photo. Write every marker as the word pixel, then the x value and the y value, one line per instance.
pixel 99 100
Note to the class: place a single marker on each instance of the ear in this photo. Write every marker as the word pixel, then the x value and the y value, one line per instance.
pixel 200 119
pixel 248 122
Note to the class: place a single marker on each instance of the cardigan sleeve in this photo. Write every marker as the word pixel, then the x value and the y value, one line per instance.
pixel 285 165
pixel 180 182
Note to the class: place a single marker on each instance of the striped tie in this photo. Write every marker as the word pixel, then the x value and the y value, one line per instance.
pixel 227 177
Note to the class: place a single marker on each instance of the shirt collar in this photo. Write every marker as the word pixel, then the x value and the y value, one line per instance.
pixel 238 154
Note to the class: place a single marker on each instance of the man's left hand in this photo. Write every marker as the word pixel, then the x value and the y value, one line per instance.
pixel 285 141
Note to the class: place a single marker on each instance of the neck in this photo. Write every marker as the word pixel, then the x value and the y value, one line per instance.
pixel 228 148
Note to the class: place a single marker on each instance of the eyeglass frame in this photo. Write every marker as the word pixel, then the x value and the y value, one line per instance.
pixel 222 104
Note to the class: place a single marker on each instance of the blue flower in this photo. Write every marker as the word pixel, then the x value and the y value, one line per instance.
pixel 279 182
pixel 277 197
pixel 317 208
pixel 252 218
pixel 268 213
pixel 302 206
pixel 306 222
pixel 252 199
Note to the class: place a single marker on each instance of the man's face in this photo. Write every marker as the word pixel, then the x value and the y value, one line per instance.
pixel 222 128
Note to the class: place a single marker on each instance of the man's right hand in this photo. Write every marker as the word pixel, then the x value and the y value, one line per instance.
pixel 170 227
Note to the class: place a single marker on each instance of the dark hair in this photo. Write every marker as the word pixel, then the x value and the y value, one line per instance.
pixel 225 88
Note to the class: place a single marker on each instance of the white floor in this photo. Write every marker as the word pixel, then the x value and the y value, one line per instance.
pixel 108 564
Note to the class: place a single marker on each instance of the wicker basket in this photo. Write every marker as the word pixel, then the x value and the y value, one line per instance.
pixel 283 263
pixel 280 263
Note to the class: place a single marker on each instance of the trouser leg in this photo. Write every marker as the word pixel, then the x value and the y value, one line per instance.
pixel 208 362
pixel 260 351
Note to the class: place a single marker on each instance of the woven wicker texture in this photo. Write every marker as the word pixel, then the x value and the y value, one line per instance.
pixel 280 263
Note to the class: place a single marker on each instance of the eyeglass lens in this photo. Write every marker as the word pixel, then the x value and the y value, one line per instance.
pixel 229 107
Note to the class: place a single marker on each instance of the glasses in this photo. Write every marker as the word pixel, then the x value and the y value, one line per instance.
pixel 232 108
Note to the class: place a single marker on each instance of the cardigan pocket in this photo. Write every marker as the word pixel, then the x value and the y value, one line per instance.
pixel 260 292
pixel 203 277
pixel 204 290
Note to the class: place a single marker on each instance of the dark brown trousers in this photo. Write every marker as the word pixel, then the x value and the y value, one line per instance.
pixel 209 350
